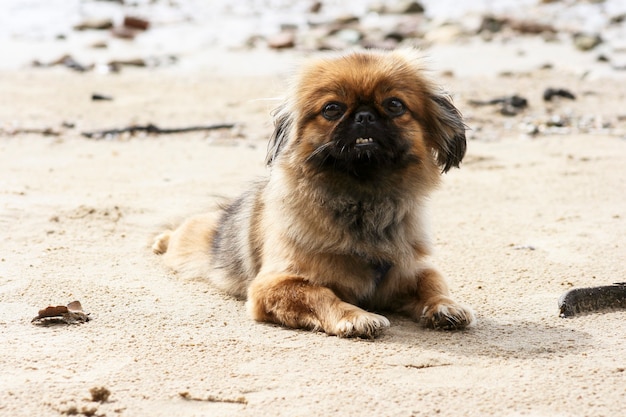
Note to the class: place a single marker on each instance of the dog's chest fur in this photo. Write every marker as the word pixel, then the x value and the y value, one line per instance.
pixel 367 223
pixel 365 218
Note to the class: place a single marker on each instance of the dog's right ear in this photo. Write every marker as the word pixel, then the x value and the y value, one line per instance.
pixel 446 132
pixel 282 129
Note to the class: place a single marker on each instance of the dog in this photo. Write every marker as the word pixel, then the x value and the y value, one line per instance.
pixel 337 232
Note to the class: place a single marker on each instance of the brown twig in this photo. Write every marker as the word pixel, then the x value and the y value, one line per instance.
pixel 426 365
pixel 153 129
pixel 46 131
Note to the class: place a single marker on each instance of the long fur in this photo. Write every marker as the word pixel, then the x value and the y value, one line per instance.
pixel 338 234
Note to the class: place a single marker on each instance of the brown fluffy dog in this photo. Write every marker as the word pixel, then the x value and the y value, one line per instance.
pixel 338 229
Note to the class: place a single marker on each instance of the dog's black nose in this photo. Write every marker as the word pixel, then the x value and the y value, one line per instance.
pixel 365 117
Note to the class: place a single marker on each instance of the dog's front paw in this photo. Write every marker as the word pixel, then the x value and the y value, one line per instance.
pixel 447 315
pixel 361 324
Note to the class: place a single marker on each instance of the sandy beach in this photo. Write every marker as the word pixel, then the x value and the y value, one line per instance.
pixel 537 208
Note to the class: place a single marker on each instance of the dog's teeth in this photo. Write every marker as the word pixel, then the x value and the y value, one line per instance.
pixel 361 141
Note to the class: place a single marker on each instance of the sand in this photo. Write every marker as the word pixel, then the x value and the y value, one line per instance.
pixel 524 219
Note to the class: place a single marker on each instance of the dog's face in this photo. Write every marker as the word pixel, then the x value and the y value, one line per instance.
pixel 365 114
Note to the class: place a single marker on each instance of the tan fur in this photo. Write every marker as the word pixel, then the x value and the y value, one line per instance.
pixel 338 229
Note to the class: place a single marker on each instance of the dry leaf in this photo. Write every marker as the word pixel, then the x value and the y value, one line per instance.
pixel 71 314
pixel 52 311
pixel 75 306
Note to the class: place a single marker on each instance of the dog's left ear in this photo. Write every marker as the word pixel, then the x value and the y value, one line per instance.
pixel 282 130
pixel 446 132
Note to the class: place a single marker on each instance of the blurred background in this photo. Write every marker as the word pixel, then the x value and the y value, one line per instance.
pixel 587 37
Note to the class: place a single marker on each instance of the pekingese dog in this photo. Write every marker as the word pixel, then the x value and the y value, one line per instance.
pixel 337 232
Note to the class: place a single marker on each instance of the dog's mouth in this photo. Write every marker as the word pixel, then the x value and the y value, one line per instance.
pixel 364 142
pixel 364 149
pixel 363 154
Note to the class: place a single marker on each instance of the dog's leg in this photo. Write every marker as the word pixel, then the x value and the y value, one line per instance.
pixel 433 306
pixel 293 302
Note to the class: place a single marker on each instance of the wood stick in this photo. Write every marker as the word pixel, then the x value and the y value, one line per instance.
pixel 153 129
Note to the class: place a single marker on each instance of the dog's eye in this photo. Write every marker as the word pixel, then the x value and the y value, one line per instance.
pixel 394 107
pixel 333 111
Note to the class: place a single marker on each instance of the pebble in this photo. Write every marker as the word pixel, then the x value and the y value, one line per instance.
pixel 586 41
pixel 136 23
pixel 315 7
pixel 528 27
pixel 492 24
pixel 444 34
pixel 282 40
pixel 346 19
pixel 133 62
pixel 349 36
pixel 550 93
pixel 401 7
pixel 124 32
pixel 95 24
pixel 99 45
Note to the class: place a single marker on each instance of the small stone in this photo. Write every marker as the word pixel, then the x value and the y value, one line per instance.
pixel 346 19
pixel 350 36
pixel 136 23
pixel 100 394
pixel 288 27
pixel 132 62
pixel 282 40
pixel 618 19
pixel 587 41
pixel 404 7
pixel 603 58
pixel 550 93
pixel 531 28
pixel 413 7
pixel 443 34
pixel 124 32
pixel 395 35
pixel 531 129
pixel 556 121
pixel 315 7
pixel 492 24
pixel 95 24
pixel 99 45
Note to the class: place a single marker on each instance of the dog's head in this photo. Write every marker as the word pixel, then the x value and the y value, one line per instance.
pixel 365 112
